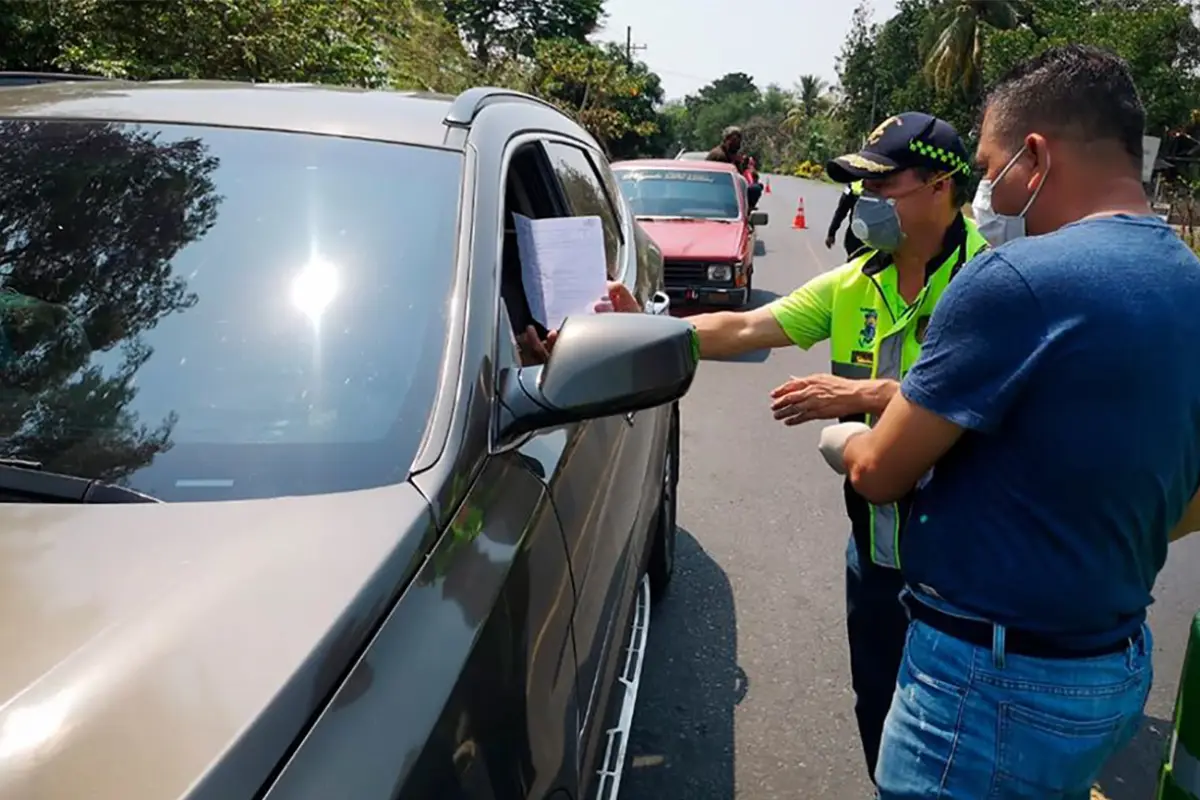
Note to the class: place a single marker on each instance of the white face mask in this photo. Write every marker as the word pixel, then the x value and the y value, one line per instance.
pixel 1001 228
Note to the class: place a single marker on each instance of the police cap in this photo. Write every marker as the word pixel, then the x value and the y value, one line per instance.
pixel 903 142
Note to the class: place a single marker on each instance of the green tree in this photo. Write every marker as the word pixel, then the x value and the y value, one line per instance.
pixel 892 68
pixel 254 40
pixel 731 99
pixel 1158 38
pixel 956 57
pixel 811 95
pixel 858 75
pixel 648 134
pixel 730 84
pixel 598 87
pixel 498 28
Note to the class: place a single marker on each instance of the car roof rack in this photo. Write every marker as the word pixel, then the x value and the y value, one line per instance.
pixel 8 78
pixel 467 105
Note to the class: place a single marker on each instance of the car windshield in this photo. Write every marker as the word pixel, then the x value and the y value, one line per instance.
pixel 212 313
pixel 705 194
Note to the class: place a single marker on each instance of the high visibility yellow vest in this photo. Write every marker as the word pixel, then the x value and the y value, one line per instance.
pixel 875 334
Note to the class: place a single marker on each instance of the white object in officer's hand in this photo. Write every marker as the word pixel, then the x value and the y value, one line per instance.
pixel 833 443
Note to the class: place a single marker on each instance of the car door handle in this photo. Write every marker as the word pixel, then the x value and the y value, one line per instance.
pixel 659 303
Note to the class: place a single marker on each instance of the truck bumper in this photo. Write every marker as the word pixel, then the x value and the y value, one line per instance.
pixel 708 296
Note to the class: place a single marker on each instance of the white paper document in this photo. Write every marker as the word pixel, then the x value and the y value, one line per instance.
pixel 563 266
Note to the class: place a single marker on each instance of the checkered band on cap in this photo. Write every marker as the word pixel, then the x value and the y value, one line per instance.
pixel 951 161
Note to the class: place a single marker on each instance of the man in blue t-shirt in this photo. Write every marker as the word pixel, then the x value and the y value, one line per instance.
pixel 1053 424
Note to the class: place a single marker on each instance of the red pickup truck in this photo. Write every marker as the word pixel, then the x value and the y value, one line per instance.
pixel 697 213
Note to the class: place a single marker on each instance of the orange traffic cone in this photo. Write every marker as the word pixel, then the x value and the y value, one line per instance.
pixel 799 222
pixel 767 190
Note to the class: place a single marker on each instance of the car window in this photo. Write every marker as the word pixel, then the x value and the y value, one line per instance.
pixel 585 193
pixel 209 313
pixel 706 194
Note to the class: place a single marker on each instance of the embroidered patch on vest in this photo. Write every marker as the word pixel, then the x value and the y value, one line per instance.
pixel 866 337
pixel 864 358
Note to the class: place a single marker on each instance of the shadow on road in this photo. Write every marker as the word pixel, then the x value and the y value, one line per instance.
pixel 754 357
pixel 759 298
pixel 760 247
pixel 682 747
pixel 1133 773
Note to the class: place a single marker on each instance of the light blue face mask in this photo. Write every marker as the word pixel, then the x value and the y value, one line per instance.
pixel 876 222
pixel 1001 228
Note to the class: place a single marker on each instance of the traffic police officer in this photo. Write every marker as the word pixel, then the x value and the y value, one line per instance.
pixel 844 208
pixel 873 311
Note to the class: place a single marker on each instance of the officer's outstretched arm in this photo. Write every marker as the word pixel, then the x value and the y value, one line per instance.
pixel 799 319
pixel 732 333
pixel 1191 520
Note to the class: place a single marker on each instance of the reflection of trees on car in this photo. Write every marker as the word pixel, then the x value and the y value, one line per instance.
pixel 582 192
pixel 90 218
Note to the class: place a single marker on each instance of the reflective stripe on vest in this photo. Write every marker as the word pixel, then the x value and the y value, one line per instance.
pixel 856 188
pixel 1182 776
pixel 1179 778
pixel 875 336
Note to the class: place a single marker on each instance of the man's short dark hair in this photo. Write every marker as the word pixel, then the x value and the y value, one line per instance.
pixel 1076 92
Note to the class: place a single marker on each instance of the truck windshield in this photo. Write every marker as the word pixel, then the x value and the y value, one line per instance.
pixel 209 313
pixel 704 194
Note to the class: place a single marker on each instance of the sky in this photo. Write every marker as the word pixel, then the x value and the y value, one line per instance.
pixel 774 41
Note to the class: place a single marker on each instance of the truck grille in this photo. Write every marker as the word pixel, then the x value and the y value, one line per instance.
pixel 677 272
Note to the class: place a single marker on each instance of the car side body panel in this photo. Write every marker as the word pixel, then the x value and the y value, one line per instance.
pixel 467 691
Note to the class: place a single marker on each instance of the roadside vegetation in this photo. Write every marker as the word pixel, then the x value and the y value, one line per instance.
pixel 936 55
pixel 939 56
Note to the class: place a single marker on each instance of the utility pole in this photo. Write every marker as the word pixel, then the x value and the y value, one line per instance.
pixel 629 45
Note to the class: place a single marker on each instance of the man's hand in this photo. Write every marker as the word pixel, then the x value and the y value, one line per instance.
pixel 829 242
pixel 821 396
pixel 620 299
pixel 533 349
pixel 833 443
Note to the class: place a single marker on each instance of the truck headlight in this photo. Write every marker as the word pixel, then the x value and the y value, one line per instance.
pixel 720 272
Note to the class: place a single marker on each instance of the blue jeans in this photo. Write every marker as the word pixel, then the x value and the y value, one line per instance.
pixel 969 723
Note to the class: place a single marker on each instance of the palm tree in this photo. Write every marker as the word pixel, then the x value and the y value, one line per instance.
pixel 811 95
pixel 957 55
pixel 812 100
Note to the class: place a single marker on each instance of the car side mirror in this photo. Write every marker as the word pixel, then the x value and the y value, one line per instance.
pixel 602 365
pixel 758 218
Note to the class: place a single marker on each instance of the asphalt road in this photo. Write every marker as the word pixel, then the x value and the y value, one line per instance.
pixel 746 690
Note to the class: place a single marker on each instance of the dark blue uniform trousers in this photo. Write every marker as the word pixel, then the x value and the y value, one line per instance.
pixel 877 624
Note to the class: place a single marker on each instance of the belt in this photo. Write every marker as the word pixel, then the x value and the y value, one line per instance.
pixel 1017 642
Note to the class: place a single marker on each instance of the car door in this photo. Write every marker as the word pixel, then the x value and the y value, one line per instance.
pixel 607 537
pixel 580 463
pixel 467 687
